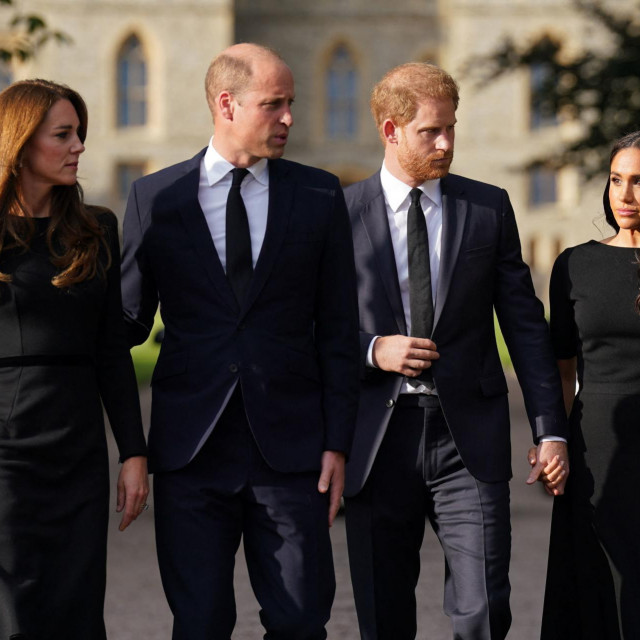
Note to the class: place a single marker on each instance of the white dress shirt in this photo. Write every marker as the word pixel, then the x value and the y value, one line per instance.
pixel 213 190
pixel 397 200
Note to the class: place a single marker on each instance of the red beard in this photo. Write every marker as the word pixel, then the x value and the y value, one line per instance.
pixel 421 167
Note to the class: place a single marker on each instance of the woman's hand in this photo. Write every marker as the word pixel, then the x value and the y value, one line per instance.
pixel 133 489
pixel 553 476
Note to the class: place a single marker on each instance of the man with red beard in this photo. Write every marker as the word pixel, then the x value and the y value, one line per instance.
pixel 436 254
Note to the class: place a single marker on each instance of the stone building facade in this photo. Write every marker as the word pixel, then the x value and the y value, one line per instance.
pixel 337 50
pixel 140 65
pixel 498 128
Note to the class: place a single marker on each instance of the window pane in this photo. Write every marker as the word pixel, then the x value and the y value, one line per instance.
pixel 132 84
pixel 542 186
pixel 6 75
pixel 341 95
pixel 126 173
pixel 540 116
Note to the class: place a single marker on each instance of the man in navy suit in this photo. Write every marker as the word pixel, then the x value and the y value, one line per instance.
pixel 436 254
pixel 255 390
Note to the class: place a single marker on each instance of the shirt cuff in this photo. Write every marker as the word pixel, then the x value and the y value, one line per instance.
pixel 552 439
pixel 370 353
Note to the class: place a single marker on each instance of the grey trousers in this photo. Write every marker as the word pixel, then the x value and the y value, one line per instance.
pixel 418 474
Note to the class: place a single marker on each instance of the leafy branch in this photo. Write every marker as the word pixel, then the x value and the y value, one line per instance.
pixel 25 34
pixel 599 91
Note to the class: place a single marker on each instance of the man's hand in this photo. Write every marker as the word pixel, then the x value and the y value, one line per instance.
pixel 332 480
pixel 402 354
pixel 550 462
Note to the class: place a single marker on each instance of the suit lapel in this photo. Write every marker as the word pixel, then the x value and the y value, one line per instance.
pixel 281 195
pixel 186 192
pixel 376 223
pixel 454 215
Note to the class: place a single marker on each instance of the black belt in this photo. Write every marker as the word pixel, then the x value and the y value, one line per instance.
pixel 63 360
pixel 417 400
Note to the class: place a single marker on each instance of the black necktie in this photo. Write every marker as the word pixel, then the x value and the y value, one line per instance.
pixel 420 299
pixel 238 239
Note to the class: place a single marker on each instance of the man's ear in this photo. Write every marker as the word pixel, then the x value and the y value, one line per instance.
pixel 390 131
pixel 226 105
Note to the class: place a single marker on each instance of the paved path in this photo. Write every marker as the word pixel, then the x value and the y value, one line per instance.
pixel 136 609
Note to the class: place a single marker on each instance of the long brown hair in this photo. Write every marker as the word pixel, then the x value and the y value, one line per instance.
pixel 78 236
pixel 630 141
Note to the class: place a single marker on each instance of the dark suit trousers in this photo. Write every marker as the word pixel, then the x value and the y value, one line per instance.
pixel 228 492
pixel 418 474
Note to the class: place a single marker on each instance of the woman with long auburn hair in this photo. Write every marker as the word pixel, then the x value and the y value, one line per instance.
pixel 593 579
pixel 62 352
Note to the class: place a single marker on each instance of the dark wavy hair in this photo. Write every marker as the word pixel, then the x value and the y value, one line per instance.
pixel 630 141
pixel 23 107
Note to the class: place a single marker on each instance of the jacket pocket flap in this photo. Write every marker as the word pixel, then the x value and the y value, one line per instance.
pixel 479 252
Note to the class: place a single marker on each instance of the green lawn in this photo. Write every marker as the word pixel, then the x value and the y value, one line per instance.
pixel 145 355
pixel 505 358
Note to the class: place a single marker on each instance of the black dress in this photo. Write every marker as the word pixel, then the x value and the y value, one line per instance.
pixel 593 578
pixel 61 351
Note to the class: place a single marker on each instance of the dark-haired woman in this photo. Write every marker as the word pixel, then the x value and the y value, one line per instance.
pixel 62 350
pixel 593 580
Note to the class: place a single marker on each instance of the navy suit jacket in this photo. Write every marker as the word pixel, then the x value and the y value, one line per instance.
pixel 292 347
pixel 481 269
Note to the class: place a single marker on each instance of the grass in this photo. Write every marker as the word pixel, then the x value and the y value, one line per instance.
pixel 145 355
pixel 503 352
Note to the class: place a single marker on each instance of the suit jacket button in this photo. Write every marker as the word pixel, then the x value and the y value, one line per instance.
pixel 233 368
pixel 390 402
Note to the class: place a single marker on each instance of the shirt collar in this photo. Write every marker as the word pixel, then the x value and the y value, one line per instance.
pixel 397 192
pixel 217 167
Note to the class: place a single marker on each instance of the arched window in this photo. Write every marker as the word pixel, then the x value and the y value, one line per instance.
pixel 132 84
pixel 341 93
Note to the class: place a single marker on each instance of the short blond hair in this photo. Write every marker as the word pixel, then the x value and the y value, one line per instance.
pixel 232 71
pixel 397 95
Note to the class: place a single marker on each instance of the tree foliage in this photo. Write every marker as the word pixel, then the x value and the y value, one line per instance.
pixel 24 34
pixel 601 92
